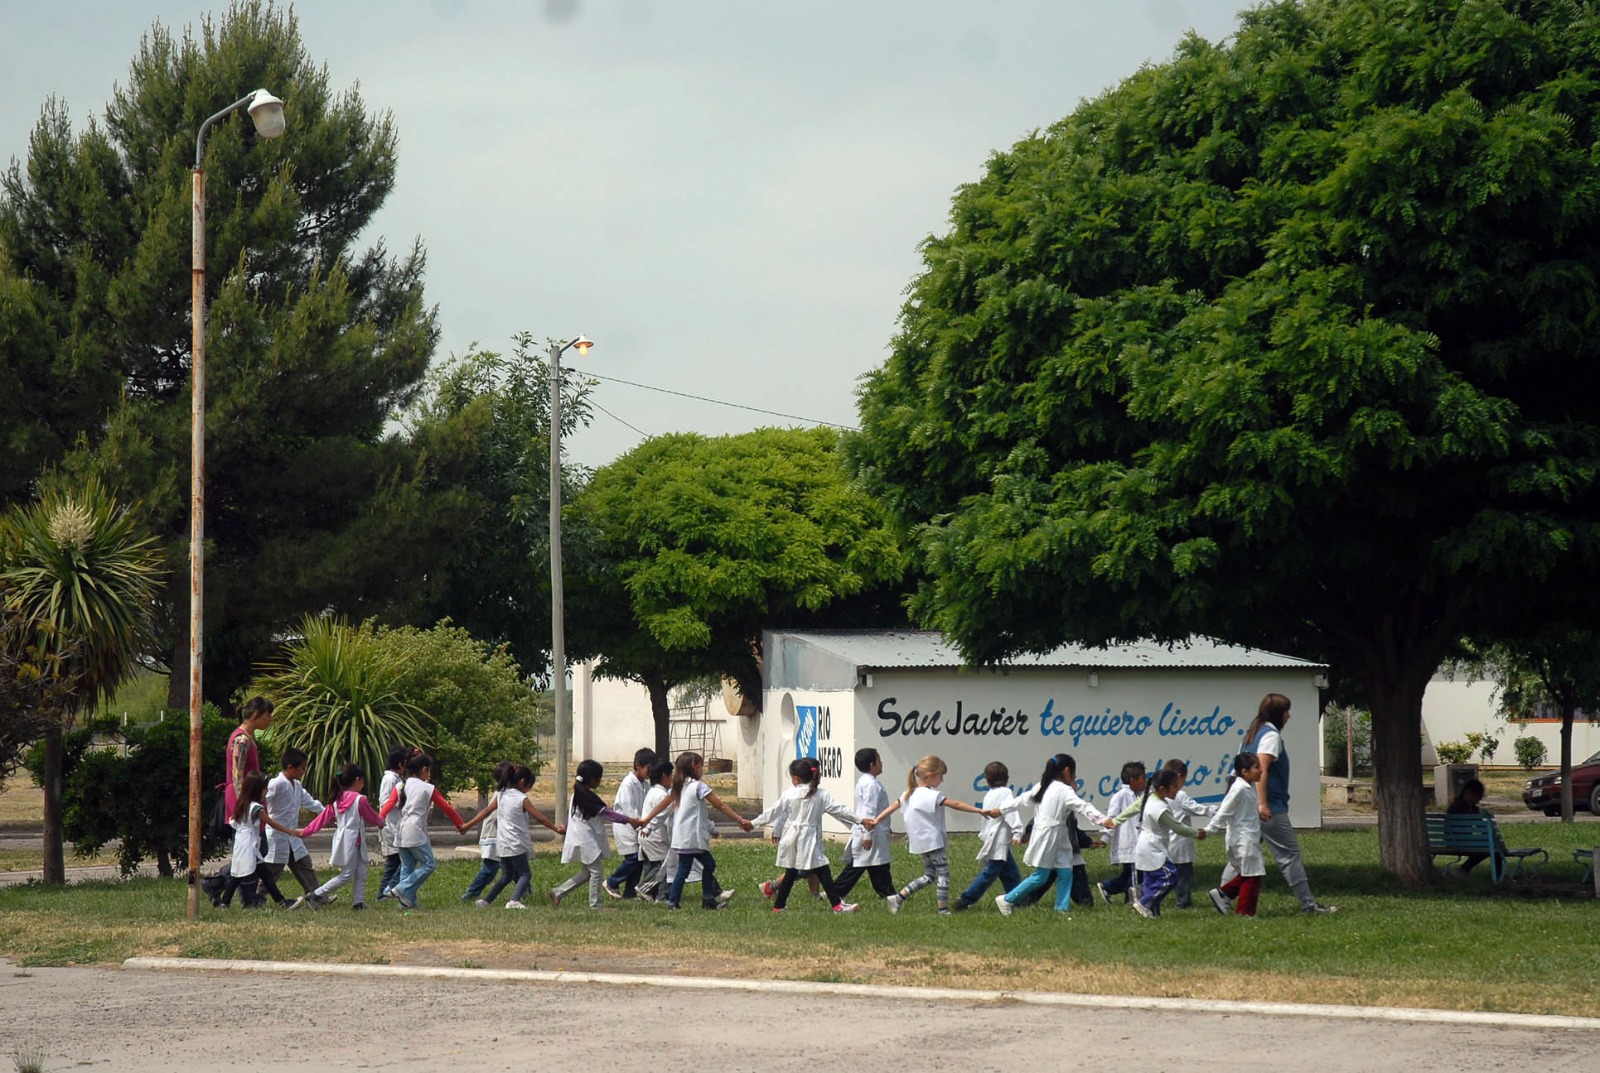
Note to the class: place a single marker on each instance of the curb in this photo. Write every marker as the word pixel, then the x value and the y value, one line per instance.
pixel 876 991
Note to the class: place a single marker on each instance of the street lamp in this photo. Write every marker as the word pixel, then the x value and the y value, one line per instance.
pixel 558 639
pixel 267 112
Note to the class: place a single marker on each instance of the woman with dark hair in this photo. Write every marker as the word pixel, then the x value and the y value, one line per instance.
pixel 243 758
pixel 1264 738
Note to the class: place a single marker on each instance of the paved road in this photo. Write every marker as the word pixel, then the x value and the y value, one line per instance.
pixel 133 1021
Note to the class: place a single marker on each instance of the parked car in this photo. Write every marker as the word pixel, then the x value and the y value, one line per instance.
pixel 1543 792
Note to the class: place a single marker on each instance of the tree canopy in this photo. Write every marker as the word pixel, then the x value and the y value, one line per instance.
pixel 701 542
pixel 1277 341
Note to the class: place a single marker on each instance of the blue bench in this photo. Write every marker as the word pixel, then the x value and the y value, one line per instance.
pixel 1460 835
pixel 1581 856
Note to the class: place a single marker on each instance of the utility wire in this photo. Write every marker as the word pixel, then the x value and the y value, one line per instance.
pixel 719 402
pixel 617 419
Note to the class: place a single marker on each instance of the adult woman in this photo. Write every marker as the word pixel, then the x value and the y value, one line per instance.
pixel 243 757
pixel 1264 738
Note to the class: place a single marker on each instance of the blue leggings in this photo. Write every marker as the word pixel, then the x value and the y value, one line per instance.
pixel 1036 882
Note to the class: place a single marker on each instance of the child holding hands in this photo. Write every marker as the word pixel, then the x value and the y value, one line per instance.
pixel 924 804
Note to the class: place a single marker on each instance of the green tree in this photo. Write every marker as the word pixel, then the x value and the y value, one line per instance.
pixel 1276 342
pixel 34 690
pixel 313 341
pixel 80 574
pixel 340 699
pixel 703 541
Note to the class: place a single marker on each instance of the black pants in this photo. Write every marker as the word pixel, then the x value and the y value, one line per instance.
pixel 249 897
pixel 882 882
pixel 824 873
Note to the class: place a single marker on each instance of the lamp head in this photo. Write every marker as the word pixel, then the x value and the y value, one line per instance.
pixel 267 113
pixel 582 345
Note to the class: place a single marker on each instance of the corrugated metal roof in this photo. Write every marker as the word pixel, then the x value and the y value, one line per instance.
pixel 927 649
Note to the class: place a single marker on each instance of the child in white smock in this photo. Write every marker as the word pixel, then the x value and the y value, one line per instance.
pixel 1157 873
pixel 797 824
pixel 692 801
pixel 1239 815
pixel 1125 839
pixel 924 804
pixel 350 814
pixel 1181 852
pixel 588 830
pixel 247 868
pixel 867 852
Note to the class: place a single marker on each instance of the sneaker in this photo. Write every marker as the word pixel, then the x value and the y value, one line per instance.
pixel 358 905
pixel 555 899
pixel 405 903
pixel 1143 910
pixel 320 900
pixel 945 911
pixel 821 895
pixel 1001 904
pixel 514 904
pixel 768 888
pixel 298 903
pixel 1220 900
pixel 779 910
pixel 846 907
pixel 481 903
pixel 1105 895
pixel 960 906
pixel 611 891
pixel 1321 907
pixel 894 902
pixel 382 894
pixel 724 898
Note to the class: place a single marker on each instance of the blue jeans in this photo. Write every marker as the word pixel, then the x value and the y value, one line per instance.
pixel 391 873
pixel 1119 884
pixel 486 873
pixel 1184 886
pixel 416 865
pixel 517 869
pixel 626 877
pixel 1036 882
pixel 708 877
pixel 1005 870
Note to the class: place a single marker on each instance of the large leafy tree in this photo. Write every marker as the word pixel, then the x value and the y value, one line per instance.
pixel 701 542
pixel 313 340
pixel 80 576
pixel 1277 341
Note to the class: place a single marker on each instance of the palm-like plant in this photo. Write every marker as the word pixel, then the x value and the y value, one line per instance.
pixel 338 697
pixel 80 575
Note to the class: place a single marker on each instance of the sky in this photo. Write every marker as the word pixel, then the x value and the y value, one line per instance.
pixel 726 195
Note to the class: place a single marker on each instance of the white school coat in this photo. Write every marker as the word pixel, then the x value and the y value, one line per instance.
pixel 1126 837
pixel 1185 809
pixel 1050 846
pixel 798 816
pixel 1155 836
pixel 587 840
pixel 997 833
pixel 285 800
pixel 386 833
pixel 349 843
pixel 655 837
pixel 871 799
pixel 630 802
pixel 246 842
pixel 1237 814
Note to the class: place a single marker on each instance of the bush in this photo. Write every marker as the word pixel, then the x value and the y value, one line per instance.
pixel 1530 752
pixel 1453 752
pixel 1484 743
pixel 1333 735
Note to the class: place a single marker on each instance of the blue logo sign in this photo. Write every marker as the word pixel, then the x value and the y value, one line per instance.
pixel 805 739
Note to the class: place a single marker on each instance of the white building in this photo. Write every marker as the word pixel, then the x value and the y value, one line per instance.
pixel 907 693
pixel 1453 706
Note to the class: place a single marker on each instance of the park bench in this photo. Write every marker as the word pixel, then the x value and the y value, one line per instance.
pixel 1459 835
pixel 1585 857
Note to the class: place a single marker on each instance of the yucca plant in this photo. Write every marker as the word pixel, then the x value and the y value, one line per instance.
pixel 338 698
pixel 80 575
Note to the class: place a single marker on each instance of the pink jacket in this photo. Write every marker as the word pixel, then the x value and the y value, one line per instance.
pixel 346 800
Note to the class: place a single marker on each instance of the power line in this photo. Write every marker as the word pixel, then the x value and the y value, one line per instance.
pixel 719 402
pixel 618 420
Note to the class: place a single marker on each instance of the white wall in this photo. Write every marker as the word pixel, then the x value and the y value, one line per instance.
pixel 1022 717
pixel 610 720
pixel 1452 707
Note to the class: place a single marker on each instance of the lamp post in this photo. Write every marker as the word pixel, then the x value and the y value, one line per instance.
pixel 558 639
pixel 267 112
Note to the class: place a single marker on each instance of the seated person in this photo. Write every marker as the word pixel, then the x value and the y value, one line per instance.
pixel 1466 804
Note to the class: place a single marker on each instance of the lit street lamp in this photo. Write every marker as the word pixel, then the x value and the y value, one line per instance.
pixel 267 112
pixel 558 640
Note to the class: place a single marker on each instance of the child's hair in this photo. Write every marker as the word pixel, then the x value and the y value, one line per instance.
pixel 808 771
pixel 928 765
pixel 1059 768
pixel 589 774
pixel 660 770
pixel 1274 709
pixel 1131 770
pixel 417 761
pixel 397 758
pixel 644 758
pixel 502 774
pixel 996 774
pixel 865 758
pixel 1243 762
pixel 1176 765
pixel 346 777
pixel 251 791
pixel 1165 779
pixel 521 773
pixel 293 757
pixel 1471 786
pixel 683 771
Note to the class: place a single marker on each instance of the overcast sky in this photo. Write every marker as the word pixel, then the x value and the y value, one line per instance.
pixel 727 195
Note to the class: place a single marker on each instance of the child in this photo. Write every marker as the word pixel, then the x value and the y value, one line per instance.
pixel 1126 837
pixel 1468 803
pixel 393 776
pixel 994 840
pixel 924 806
pixel 413 798
pixel 586 834
pixel 797 825
pixel 867 852
pixel 630 802
pixel 246 869
pixel 1182 851
pixel 1157 873
pixel 350 814
pixel 1238 815
pixel 514 841
pixel 488 830
pixel 691 836
pixel 655 838
pixel 286 799
pixel 1052 846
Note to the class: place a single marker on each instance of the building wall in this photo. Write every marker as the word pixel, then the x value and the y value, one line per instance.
pixel 1452 707
pixel 1022 717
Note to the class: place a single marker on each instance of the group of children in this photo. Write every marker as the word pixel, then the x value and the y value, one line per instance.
pixel 661 817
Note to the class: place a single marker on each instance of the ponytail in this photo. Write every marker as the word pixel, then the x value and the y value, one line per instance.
pixel 808 771
pixel 1055 770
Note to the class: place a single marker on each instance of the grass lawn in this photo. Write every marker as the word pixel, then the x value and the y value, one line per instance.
pixel 1458 948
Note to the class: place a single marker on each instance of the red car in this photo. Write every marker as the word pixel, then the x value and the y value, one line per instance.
pixel 1543 792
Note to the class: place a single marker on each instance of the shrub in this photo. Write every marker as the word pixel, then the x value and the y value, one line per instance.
pixel 1483 743
pixel 1453 752
pixel 1530 752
